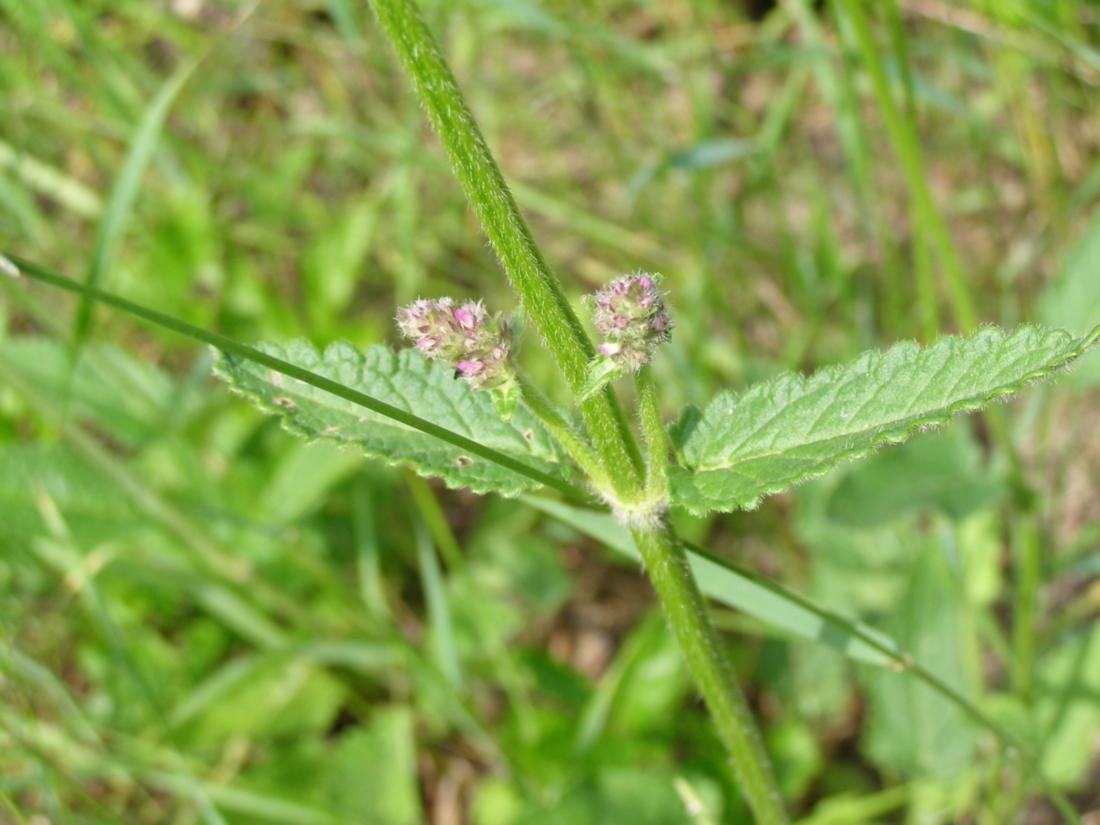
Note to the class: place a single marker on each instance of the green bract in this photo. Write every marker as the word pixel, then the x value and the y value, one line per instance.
pixel 793 428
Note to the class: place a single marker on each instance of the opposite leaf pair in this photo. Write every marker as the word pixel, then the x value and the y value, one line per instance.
pixel 740 448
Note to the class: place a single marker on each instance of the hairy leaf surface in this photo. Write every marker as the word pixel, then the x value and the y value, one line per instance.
pixel 410 383
pixel 792 428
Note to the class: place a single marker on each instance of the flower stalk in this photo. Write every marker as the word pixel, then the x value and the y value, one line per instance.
pixel 574 444
pixel 653 436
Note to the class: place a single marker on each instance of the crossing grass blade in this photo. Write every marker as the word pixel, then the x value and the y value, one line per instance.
pixel 228 345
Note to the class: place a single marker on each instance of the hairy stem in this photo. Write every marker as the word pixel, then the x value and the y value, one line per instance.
pixel 571 441
pixel 653 436
pixel 563 335
pixel 537 287
pixel 666 563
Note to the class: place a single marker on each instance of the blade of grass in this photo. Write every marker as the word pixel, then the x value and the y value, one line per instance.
pixel 50 182
pixel 440 630
pixel 905 140
pixel 838 89
pixel 434 519
pixel 12 808
pixel 48 687
pixel 150 768
pixel 368 551
pixel 124 193
pixel 125 190
pixel 38 273
pixel 76 572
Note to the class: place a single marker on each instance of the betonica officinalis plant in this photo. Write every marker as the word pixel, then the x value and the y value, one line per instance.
pixel 456 405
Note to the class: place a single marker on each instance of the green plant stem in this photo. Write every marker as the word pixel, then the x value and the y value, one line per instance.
pixel 571 441
pixel 537 287
pixel 605 423
pixel 666 563
pixel 906 143
pixel 653 436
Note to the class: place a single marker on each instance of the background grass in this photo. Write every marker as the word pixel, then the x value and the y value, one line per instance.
pixel 205 620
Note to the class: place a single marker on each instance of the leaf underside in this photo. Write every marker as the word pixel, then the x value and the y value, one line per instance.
pixel 408 381
pixel 793 428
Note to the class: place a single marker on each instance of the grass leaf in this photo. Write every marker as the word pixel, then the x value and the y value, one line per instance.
pixel 125 190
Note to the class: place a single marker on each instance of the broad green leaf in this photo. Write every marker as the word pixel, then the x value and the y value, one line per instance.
pixel 645 796
pixel 793 428
pixel 259 696
pixel 408 382
pixel 640 690
pixel 127 398
pixel 371 776
pixel 302 478
pixel 362 774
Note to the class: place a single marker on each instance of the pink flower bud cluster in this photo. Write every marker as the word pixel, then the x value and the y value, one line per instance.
pixel 466 336
pixel 630 314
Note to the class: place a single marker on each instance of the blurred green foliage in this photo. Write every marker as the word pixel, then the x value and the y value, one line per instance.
pixel 204 620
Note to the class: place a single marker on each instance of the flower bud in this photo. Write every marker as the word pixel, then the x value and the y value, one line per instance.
pixel 466 336
pixel 630 314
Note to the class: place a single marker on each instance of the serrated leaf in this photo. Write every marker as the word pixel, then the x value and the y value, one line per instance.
pixel 792 428
pixel 409 383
